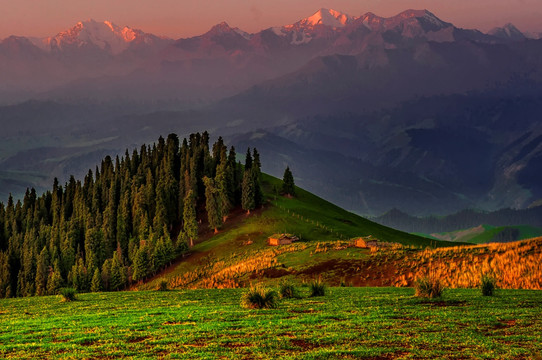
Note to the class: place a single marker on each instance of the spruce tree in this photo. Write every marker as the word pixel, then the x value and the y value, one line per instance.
pixel 118 275
pixel 247 198
pixel 96 283
pixel 212 204
pixel 256 161
pixel 42 272
pixel 258 193
pixel 106 274
pixel 222 187
pixel 288 186
pixel 141 264
pixel 169 249
pixel 248 160
pixel 54 283
pixel 189 216
pixel 5 275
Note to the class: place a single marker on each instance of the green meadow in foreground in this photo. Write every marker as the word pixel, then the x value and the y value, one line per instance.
pixel 372 323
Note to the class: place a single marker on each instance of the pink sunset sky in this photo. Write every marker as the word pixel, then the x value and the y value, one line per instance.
pixel 184 18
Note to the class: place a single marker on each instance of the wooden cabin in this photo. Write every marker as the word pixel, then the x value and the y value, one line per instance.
pixel 282 239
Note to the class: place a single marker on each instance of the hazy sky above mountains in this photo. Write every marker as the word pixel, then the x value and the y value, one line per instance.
pixel 183 18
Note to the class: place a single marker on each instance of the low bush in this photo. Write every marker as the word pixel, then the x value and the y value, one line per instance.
pixel 488 284
pixel 258 298
pixel 163 286
pixel 429 287
pixel 317 288
pixel 68 294
pixel 288 291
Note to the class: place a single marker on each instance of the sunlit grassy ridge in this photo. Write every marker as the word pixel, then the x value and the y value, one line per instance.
pixel 239 256
pixel 514 265
pixel 230 258
pixel 385 323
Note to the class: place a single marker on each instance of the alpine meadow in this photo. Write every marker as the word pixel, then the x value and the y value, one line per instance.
pixel 345 186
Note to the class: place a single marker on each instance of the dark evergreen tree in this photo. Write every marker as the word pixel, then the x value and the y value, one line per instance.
pixel 256 161
pixel 117 279
pixel 288 186
pixel 42 272
pixel 248 160
pixel 141 264
pixel 96 283
pixel 189 215
pixel 212 204
pixel 5 276
pixel 222 180
pixel 54 281
pixel 248 202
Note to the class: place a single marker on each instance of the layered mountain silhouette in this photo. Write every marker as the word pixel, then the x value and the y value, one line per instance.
pixel 373 113
pixel 100 59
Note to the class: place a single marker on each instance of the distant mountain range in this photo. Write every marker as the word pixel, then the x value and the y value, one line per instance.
pixel 372 113
pixel 100 60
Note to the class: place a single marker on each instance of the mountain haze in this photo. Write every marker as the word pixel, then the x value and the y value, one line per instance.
pixel 112 59
pixel 372 113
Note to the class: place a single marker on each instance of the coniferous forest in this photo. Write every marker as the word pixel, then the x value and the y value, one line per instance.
pixel 125 221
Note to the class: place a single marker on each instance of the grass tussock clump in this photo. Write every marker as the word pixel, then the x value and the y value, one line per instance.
pixel 259 298
pixel 488 284
pixel 163 286
pixel 429 287
pixel 68 294
pixel 317 288
pixel 288 291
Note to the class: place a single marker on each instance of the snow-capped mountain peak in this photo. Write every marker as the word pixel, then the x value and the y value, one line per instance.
pixel 327 17
pixel 425 17
pixel 508 32
pixel 105 35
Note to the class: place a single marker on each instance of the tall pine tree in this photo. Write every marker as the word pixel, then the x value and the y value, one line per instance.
pixel 189 215
pixel 288 186
pixel 248 201
pixel 212 204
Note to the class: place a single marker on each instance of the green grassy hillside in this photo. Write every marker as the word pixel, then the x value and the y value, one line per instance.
pixel 317 219
pixel 353 323
pixel 239 250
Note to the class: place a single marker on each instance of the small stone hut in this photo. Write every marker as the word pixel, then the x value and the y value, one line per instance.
pixel 282 239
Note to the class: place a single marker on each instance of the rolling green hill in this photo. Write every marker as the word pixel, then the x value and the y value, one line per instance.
pixel 240 250
pixel 136 215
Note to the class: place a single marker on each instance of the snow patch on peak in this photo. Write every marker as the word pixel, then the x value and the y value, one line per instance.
pixel 429 16
pixel 105 35
pixel 243 33
pixel 508 31
pixel 301 38
pixel 327 17
pixel 279 31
